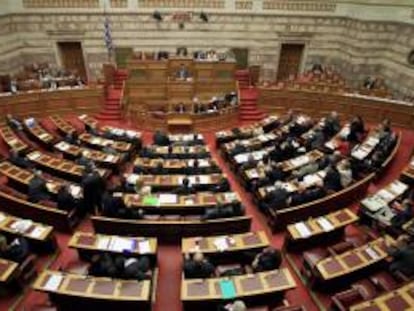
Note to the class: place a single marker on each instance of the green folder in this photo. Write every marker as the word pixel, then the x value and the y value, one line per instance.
pixel 227 289
pixel 151 201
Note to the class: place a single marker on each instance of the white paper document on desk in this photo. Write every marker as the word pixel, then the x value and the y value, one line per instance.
pixel 325 224
pixel 303 229
pixel 144 247
pixel 167 198
pixel 221 243
pixel 54 282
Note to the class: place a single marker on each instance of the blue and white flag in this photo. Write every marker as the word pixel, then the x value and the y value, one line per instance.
pixel 108 35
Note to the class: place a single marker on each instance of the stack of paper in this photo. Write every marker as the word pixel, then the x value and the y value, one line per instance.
pixel 253 173
pixel 398 187
pixel 37 232
pixel 53 282
pixel 63 146
pixel 325 224
pixel 374 203
pixel 34 155
pixel 144 247
pixel 21 225
pixel 132 179
pixel 303 230
pixel 189 201
pixel 166 198
pixel 75 191
pixel 386 195
pixel 241 158
pixel 221 243
pixel 204 179
pixel 230 196
pixel 109 158
pixel 103 242
pixel 44 136
pixel 371 253
pixel 2 217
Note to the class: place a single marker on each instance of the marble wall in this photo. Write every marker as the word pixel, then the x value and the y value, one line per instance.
pixel 334 32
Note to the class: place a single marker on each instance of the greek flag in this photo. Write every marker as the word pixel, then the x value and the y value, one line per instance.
pixel 108 35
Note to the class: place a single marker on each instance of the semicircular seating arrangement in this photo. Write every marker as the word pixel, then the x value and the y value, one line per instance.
pixel 117 204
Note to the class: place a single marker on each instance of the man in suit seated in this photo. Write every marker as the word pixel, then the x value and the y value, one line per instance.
pixel 356 130
pixel 269 259
pixel 405 214
pixel 180 108
pixel 183 73
pixel 37 188
pixel 332 179
pixel 17 250
pixel 331 125
pixel 161 139
pixel 276 199
pixel 185 187
pixel 13 122
pixel 18 160
pixel 83 160
pixel 66 200
pixel 222 186
pixel 103 265
pixel 402 253
pixel 221 211
pixel 197 266
pixel 133 268
pixel 72 138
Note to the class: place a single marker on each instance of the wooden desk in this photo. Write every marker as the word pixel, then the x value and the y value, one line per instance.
pixel 88 120
pixel 187 139
pixel 177 166
pixel 170 203
pixel 63 168
pixel 237 243
pixel 313 233
pixel 179 152
pixel 205 294
pixel 43 103
pixel 62 125
pixel 168 182
pixel 319 104
pixel 400 299
pixel 7 270
pixel 335 269
pixel 363 150
pixel 12 140
pixel 87 243
pixel 266 124
pixel 77 292
pixel 100 142
pixel 37 132
pixel 101 158
pixel 41 237
pixel 180 123
pixel 170 230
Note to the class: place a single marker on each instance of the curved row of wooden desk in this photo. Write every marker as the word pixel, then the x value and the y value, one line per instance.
pixel 44 103
pixel 195 122
pixel 318 104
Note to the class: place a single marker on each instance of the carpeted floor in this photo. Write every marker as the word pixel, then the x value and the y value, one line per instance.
pixel 169 257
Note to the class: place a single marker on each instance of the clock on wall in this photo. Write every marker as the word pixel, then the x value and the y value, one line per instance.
pixel 411 58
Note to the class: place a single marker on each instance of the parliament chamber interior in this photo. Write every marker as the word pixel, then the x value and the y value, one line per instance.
pixel 207 155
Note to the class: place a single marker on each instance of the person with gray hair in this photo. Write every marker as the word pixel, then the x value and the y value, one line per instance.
pixel 37 189
pixel 237 305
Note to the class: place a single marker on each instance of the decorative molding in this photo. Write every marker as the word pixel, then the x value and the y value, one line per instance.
pixel 205 4
pixel 300 5
pixel 244 4
pixel 42 4
pixel 119 4
pixel 64 33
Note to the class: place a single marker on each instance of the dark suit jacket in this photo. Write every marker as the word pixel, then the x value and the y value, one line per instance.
pixel 37 190
pixel 403 260
pixel 332 180
pixel 269 261
pixel 65 201
pixel 195 270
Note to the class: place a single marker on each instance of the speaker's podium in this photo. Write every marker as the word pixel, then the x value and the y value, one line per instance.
pixel 180 123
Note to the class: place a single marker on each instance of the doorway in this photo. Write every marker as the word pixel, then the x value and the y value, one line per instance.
pixel 71 58
pixel 289 60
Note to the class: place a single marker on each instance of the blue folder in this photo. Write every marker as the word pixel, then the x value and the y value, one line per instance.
pixel 228 291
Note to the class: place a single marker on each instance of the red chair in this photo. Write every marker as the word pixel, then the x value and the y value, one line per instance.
pixel 384 281
pixel 360 291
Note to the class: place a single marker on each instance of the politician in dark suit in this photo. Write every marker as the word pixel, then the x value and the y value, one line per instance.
pixel 18 160
pixel 402 253
pixel 37 188
pixel 269 259
pixel 332 179
pixel 17 250
pixel 197 267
